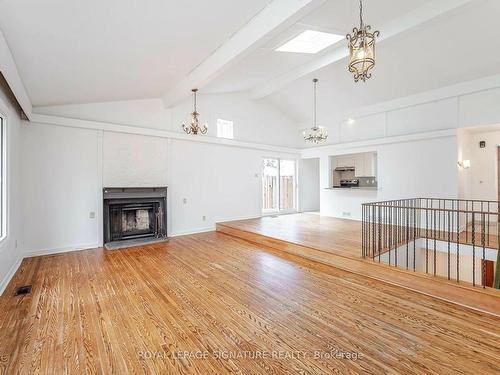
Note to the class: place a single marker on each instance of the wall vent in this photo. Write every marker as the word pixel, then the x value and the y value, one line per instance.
pixel 25 289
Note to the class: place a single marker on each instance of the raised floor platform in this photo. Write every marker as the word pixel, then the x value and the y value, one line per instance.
pixel 337 242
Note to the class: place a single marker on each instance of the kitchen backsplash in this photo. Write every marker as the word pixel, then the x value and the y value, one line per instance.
pixel 367 181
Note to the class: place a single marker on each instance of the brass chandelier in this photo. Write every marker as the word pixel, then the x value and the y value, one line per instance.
pixel 361 49
pixel 195 128
pixel 316 134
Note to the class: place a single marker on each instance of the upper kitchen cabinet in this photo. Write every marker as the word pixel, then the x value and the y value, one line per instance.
pixel 365 164
pixel 370 165
pixel 359 165
pixel 347 161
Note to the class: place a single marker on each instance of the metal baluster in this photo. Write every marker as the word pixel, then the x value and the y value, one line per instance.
pixel 373 232
pixel 407 230
pixel 483 243
pixel 488 227
pixel 449 254
pixel 434 243
pixel 439 218
pixel 426 239
pixel 390 232
pixel 379 235
pixel 398 233
pixel 363 230
pixel 414 236
pixel 458 243
pixel 473 248
pixel 466 221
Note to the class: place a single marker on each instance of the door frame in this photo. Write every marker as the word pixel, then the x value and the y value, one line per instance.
pixel 280 211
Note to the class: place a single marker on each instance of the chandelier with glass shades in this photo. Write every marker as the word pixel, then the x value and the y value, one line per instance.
pixel 361 49
pixel 316 134
pixel 195 128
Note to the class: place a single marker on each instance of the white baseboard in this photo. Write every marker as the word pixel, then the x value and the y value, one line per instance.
pixel 194 231
pixel 60 250
pixel 10 274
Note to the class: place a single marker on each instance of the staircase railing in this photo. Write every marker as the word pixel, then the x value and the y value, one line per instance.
pixel 453 238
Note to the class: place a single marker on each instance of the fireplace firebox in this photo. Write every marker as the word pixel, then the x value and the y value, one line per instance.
pixel 134 214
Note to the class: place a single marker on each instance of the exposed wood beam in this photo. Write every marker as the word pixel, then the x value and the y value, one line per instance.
pixel 404 23
pixel 275 16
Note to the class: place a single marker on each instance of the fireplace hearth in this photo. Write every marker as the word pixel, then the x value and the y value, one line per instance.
pixel 134 215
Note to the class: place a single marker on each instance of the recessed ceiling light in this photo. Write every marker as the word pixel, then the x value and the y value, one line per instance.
pixel 310 41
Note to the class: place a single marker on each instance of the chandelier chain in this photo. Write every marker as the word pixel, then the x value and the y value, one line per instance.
pixel 194 99
pixel 315 134
pixel 315 126
pixel 361 24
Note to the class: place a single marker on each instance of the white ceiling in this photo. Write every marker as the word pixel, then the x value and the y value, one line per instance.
pixel 91 51
pixel 73 51
pixel 334 16
pixel 459 46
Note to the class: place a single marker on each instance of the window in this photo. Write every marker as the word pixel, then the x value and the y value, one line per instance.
pixel 3 165
pixel 224 129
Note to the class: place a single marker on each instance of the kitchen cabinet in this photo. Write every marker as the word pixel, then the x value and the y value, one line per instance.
pixel 345 161
pixel 359 165
pixel 365 164
pixel 370 164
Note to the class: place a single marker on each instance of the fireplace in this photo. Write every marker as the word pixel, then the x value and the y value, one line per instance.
pixel 134 214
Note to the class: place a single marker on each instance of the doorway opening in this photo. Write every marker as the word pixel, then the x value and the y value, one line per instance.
pixel 279 186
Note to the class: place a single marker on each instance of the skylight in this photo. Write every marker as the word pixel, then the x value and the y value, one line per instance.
pixel 310 41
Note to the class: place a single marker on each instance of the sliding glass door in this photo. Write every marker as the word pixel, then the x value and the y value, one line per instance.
pixel 278 185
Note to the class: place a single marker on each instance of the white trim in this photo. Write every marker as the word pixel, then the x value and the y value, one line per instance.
pixel 60 250
pixel 117 128
pixel 341 148
pixel 8 277
pixel 446 92
pixel 194 231
pixel 100 176
pixel 4 176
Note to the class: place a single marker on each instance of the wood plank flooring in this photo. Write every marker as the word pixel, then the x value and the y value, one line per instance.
pixel 329 234
pixel 214 304
pixel 464 294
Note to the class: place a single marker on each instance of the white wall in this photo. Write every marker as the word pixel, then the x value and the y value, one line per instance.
pixel 254 121
pixel 65 169
pixel 219 182
pixel 61 186
pixel 406 169
pixel 309 186
pixel 134 160
pixel 464 152
pixel 11 246
pixel 483 170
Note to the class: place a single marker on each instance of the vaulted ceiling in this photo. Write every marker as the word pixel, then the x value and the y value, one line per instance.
pixel 93 51
pixel 73 51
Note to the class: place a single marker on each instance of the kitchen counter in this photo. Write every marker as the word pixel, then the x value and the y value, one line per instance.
pixel 353 188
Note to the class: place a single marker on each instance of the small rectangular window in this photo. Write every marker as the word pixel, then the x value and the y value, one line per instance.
pixel 224 129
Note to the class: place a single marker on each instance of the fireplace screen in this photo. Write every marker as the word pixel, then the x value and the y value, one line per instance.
pixel 134 221
pixel 131 213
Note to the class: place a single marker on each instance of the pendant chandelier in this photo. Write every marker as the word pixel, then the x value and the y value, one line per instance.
pixel 195 127
pixel 361 49
pixel 316 134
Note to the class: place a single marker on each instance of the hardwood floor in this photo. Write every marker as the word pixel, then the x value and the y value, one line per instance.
pixel 215 296
pixel 329 234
